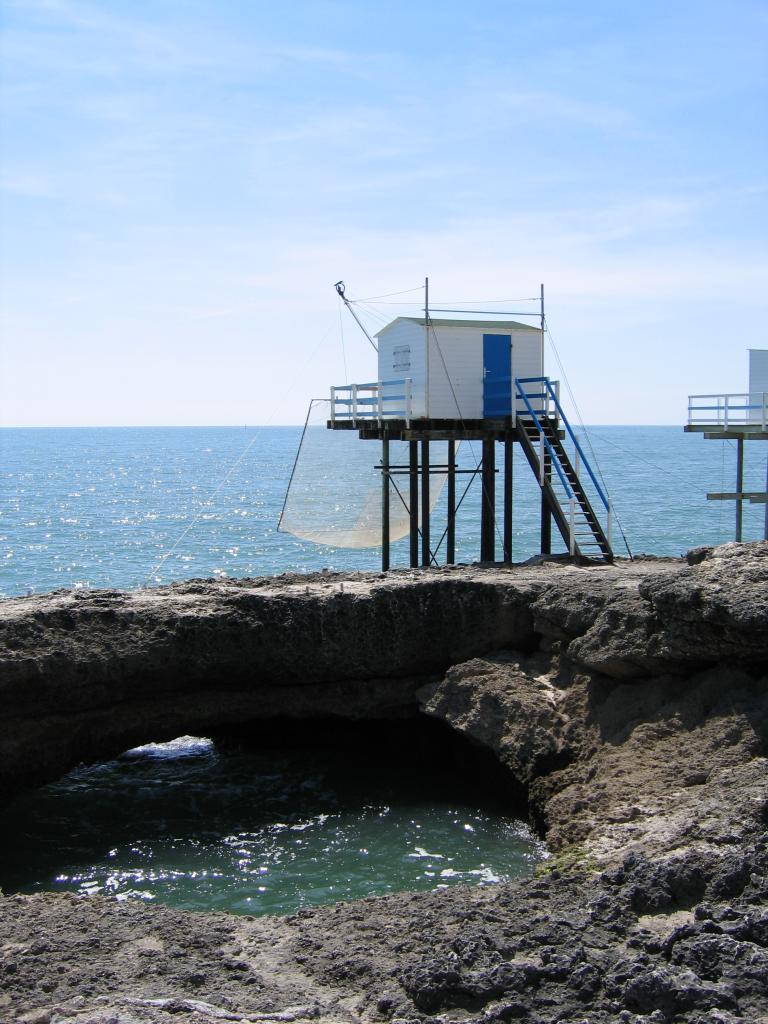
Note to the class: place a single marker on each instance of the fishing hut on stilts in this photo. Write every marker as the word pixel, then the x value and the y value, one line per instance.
pixel 740 416
pixel 447 379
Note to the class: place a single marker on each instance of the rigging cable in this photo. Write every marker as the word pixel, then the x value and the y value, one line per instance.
pixel 430 326
pixel 362 304
pixel 586 432
pixel 207 503
pixel 373 313
pixel 638 458
pixel 343 356
pixel 296 461
pixel 460 502
pixel 429 323
pixel 405 291
pixel 339 286
pixel 462 302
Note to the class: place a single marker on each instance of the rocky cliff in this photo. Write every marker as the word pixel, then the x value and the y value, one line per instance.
pixel 631 702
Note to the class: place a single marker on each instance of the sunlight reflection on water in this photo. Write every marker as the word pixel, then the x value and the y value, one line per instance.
pixel 200 828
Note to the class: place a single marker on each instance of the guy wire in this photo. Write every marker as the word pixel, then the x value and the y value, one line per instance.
pixel 586 432
pixel 207 503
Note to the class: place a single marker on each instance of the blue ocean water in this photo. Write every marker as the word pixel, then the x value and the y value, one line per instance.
pixel 196 826
pixel 125 507
pixel 262 830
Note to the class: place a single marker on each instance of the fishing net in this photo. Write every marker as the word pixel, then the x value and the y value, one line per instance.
pixel 334 494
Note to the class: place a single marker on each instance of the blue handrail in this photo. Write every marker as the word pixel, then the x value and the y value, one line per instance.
pixel 545 439
pixel 553 394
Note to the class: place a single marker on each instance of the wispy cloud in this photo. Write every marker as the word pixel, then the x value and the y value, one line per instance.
pixel 32 185
pixel 192 177
pixel 553 108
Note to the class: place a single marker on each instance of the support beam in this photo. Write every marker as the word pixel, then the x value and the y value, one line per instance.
pixel 546 514
pixel 414 502
pixel 754 496
pixel 509 448
pixel 731 435
pixel 426 554
pixel 385 503
pixel 739 486
pixel 488 517
pixel 451 525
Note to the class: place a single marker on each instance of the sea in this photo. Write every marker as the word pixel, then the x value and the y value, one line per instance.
pixel 141 506
pixel 252 829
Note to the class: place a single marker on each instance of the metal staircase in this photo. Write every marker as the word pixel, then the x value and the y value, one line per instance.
pixel 541 427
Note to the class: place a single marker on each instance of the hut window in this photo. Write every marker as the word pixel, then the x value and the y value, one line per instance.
pixel 401 358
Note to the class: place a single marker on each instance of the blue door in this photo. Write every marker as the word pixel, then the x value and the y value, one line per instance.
pixel 497 375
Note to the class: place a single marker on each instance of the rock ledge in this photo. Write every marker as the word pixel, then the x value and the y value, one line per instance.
pixel 631 702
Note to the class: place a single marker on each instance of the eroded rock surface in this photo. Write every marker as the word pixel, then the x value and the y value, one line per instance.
pixel 658 766
pixel 631 703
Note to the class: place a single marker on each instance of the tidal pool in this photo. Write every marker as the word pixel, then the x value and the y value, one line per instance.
pixel 264 828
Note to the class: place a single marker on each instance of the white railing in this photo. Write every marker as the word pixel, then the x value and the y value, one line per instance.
pixel 733 410
pixel 377 401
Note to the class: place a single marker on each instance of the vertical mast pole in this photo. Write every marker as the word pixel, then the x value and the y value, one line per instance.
pixel 414 502
pixel 426 554
pixel 488 507
pixel 543 325
pixel 739 485
pixel 508 468
pixel 426 346
pixel 546 515
pixel 385 500
pixel 450 557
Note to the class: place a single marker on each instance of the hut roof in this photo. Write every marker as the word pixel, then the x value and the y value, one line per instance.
pixel 504 324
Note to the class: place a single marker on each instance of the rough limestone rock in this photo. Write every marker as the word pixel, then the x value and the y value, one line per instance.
pixel 629 702
pixel 604 762
pixel 84 676
pixel 711 611
pixel 507 704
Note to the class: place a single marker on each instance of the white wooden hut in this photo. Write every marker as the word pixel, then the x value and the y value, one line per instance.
pixel 449 381
pixel 758 384
pixel 739 417
pixel 459 369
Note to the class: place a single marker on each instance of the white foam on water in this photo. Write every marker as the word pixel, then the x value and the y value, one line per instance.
pixel 182 746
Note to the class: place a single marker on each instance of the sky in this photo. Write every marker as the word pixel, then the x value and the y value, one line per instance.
pixel 181 184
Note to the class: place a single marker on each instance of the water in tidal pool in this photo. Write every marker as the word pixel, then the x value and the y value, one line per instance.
pixel 201 827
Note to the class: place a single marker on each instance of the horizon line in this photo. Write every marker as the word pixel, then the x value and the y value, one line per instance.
pixel 231 426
